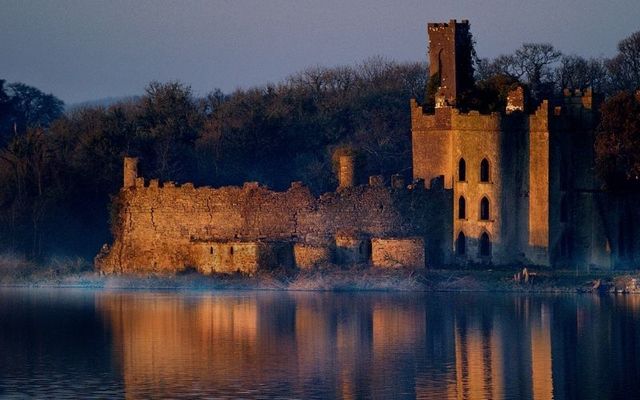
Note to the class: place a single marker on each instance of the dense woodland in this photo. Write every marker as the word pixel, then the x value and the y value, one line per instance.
pixel 58 169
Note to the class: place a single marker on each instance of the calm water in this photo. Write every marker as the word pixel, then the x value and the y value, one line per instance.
pixel 82 344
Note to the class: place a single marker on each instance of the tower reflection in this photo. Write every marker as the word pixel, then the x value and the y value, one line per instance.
pixel 369 345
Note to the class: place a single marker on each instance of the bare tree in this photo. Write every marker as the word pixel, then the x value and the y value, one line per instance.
pixel 530 64
pixel 625 66
pixel 575 72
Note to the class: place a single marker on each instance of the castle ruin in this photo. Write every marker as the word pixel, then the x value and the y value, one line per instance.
pixel 510 187
pixel 163 227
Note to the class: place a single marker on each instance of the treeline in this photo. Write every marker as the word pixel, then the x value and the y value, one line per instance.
pixel 56 176
pixel 58 171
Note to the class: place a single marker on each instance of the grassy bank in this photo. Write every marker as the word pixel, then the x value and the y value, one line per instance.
pixel 70 272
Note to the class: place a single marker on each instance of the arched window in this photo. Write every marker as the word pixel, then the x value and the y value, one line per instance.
pixel 461 244
pixel 564 211
pixel 211 250
pixel 484 170
pixel 462 208
pixel 484 209
pixel 462 170
pixel 485 245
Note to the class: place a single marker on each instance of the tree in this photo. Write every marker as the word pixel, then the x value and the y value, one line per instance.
pixel 625 66
pixel 31 108
pixel 28 158
pixel 168 124
pixel 531 63
pixel 5 109
pixel 575 72
pixel 618 142
pixel 490 94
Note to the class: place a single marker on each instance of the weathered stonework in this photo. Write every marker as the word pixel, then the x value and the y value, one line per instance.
pixel 398 252
pixel 169 228
pixel 309 256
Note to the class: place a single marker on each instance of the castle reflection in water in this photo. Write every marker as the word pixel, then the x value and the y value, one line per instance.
pixel 374 345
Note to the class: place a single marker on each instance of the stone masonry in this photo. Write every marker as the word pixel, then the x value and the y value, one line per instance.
pixel 170 228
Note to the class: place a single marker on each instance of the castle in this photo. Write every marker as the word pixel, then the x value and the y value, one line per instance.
pixel 524 185
pixel 510 187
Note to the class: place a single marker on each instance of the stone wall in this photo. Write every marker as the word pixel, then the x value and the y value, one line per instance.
pixel 309 256
pixel 168 228
pixel 398 252
pixel 247 257
pixel 539 185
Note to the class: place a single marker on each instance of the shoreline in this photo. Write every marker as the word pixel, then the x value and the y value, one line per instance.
pixel 356 279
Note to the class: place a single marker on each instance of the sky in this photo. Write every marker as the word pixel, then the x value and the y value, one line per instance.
pixel 82 50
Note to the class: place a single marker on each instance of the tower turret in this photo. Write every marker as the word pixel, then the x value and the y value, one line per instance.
pixel 450 64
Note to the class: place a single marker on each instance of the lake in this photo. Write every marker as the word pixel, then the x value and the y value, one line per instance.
pixel 75 343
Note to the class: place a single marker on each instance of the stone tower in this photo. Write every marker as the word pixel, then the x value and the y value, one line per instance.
pixel 450 64
pixel 346 173
pixel 130 172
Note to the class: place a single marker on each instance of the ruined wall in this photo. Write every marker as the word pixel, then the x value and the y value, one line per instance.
pixel 450 57
pixel 210 257
pixel 226 257
pixel 398 252
pixel 309 256
pixel 165 228
pixel 431 144
pixel 539 185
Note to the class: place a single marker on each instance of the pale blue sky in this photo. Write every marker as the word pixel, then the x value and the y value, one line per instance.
pixel 84 49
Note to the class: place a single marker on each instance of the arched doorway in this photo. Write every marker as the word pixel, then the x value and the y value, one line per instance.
pixel 485 245
pixel 461 244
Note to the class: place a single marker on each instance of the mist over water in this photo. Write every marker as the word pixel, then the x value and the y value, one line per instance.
pixel 141 344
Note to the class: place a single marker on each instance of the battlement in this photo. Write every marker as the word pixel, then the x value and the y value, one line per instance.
pixel 579 98
pixel 451 118
pixel 577 93
pixel 445 25
pixel 154 185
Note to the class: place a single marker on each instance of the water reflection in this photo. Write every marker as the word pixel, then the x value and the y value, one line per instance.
pixel 305 345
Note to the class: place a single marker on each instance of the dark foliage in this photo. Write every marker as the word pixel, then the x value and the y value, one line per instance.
pixel 57 178
pixel 618 143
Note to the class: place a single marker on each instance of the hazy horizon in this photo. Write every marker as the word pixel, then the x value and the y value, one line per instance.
pixel 89 50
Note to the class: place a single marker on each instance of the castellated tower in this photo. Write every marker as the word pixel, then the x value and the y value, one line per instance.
pixel 484 159
pixel 517 177
pixel 450 61
pixel 130 172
